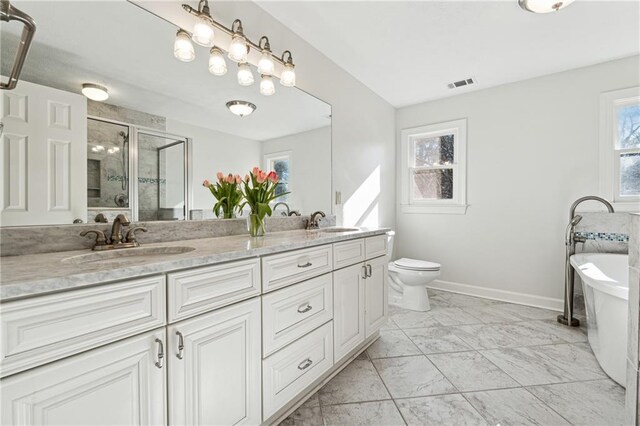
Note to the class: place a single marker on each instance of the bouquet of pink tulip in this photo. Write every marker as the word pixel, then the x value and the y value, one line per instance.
pixel 227 193
pixel 259 190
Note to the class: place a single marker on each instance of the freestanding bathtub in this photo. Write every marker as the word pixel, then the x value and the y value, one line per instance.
pixel 605 283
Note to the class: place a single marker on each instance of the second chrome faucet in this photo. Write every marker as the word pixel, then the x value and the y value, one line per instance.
pixel 116 239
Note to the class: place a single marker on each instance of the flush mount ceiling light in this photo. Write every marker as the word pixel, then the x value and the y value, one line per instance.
pixel 544 6
pixel 241 108
pixel 95 92
pixel 238 49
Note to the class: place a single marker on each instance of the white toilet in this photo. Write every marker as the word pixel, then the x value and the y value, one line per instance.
pixel 408 279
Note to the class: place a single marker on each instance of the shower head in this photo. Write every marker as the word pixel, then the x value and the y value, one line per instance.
pixel 575 220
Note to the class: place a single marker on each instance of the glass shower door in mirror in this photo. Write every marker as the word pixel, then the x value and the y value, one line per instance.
pixel 161 182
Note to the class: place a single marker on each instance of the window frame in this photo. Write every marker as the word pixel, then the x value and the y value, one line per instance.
pixel 609 153
pixel 458 203
pixel 268 166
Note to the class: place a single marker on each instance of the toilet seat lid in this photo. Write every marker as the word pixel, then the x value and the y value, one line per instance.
pixel 416 265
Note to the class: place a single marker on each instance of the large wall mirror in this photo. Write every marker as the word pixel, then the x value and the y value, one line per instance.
pixel 163 130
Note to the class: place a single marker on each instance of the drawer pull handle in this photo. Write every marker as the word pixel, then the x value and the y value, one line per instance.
pixel 305 364
pixel 180 353
pixel 364 272
pixel 305 265
pixel 160 362
pixel 304 308
pixel 369 271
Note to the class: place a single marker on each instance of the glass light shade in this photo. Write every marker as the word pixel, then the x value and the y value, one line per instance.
pixel 183 48
pixel 203 32
pixel 95 92
pixel 245 76
pixel 217 64
pixel 265 64
pixel 267 87
pixel 238 48
pixel 288 76
pixel 544 6
pixel 241 108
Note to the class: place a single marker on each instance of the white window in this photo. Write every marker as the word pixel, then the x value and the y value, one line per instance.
pixel 280 162
pixel 433 168
pixel 620 148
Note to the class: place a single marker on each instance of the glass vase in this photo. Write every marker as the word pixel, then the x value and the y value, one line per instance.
pixel 255 224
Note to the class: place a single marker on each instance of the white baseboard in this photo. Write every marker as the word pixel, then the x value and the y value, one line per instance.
pixel 502 295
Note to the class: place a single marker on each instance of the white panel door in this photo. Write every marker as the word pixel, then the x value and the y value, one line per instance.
pixel 118 384
pixel 348 309
pixel 43 157
pixel 214 367
pixel 376 294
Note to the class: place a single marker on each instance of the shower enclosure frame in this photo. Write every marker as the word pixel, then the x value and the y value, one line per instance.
pixel 134 132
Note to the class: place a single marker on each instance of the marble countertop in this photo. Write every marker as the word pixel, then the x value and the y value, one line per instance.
pixel 34 274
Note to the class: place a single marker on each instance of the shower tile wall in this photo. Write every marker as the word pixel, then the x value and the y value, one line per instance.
pixel 632 394
pixel 612 227
pixel 112 174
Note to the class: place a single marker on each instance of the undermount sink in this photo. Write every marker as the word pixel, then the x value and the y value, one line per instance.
pixel 127 254
pixel 336 229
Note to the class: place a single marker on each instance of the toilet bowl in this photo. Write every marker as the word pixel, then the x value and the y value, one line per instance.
pixel 408 279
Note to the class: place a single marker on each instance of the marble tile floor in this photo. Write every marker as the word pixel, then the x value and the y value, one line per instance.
pixel 469 361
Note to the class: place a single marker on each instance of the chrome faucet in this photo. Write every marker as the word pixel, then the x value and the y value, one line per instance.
pixel 282 203
pixel 312 222
pixel 116 230
pixel 570 241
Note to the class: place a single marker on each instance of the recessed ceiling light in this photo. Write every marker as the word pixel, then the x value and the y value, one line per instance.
pixel 241 108
pixel 95 92
pixel 544 6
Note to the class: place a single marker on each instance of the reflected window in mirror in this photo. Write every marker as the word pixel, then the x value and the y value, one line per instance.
pixel 281 163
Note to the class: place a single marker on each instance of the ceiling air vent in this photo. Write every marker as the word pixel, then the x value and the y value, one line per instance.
pixel 461 83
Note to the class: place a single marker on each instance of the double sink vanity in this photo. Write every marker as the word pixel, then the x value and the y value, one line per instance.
pixel 227 330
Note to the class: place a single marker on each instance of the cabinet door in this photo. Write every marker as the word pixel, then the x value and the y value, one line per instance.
pixel 119 384
pixel 214 367
pixel 348 309
pixel 376 294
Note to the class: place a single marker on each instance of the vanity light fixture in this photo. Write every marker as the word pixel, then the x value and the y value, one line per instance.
pixel 237 50
pixel 95 92
pixel 267 88
pixel 245 76
pixel 544 6
pixel 288 76
pixel 217 64
pixel 182 47
pixel 241 108
pixel 97 148
pixel 265 64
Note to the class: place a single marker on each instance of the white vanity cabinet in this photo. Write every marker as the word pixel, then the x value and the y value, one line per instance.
pixel 214 367
pixel 122 383
pixel 348 305
pixel 376 291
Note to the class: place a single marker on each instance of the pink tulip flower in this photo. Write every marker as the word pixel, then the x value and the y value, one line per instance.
pixel 238 179
pixel 273 177
pixel 206 183
pixel 256 171
pixel 220 176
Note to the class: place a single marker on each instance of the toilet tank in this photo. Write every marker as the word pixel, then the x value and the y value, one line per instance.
pixel 390 238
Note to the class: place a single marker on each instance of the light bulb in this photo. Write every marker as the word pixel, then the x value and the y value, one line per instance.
pixel 217 64
pixel 183 48
pixel 203 31
pixel 544 6
pixel 288 76
pixel 267 87
pixel 265 64
pixel 238 48
pixel 245 76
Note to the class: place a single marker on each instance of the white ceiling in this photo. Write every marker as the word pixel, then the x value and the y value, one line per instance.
pixel 130 51
pixel 408 51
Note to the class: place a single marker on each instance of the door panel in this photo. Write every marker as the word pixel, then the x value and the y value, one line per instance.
pixel 348 305
pixel 376 295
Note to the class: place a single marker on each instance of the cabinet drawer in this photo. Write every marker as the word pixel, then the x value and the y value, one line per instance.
pixel 292 312
pixel 281 270
pixel 43 329
pixel 375 246
pixel 200 290
pixel 348 253
pixel 290 370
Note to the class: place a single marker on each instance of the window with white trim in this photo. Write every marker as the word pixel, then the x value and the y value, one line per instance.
pixel 280 162
pixel 434 168
pixel 620 147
